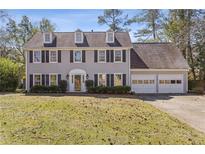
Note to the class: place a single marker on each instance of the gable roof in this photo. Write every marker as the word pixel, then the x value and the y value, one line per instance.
pixel 157 56
pixel 91 39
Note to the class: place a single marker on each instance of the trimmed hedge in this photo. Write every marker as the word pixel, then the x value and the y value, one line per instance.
pixel 109 90
pixel 89 83
pixel 45 89
pixel 63 85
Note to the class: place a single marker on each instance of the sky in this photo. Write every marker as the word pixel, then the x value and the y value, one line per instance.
pixel 70 20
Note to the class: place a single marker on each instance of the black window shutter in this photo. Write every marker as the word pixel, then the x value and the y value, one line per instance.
pixel 31 80
pixel 31 56
pixel 71 56
pixel 112 80
pixel 59 56
pixel 107 55
pixel 108 80
pixel 96 80
pixel 95 56
pixel 112 55
pixel 47 79
pixel 43 79
pixel 43 56
pixel 47 56
pixel 83 56
pixel 124 80
pixel 124 55
pixel 59 78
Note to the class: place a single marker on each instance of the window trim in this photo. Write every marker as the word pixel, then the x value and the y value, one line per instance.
pixel 113 37
pixel 34 57
pixel 81 33
pixel 50 78
pixel 105 79
pixel 114 57
pixel 34 78
pixel 74 56
pixel 121 78
pixel 50 56
pixel 44 38
pixel 99 55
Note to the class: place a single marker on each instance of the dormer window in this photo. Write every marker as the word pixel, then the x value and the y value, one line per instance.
pixel 78 37
pixel 110 37
pixel 47 37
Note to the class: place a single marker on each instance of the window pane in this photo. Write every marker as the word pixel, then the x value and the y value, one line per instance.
pixel 53 80
pixel 102 79
pixel 179 81
pixel 140 81
pixel 102 56
pixel 118 80
pixel 118 56
pixel 110 37
pixel 47 37
pixel 146 81
pixel 53 56
pixel 173 82
pixel 161 81
pixel 37 80
pixel 78 37
pixel 77 56
pixel 37 56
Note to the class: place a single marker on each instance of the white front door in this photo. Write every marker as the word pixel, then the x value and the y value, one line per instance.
pixel 143 83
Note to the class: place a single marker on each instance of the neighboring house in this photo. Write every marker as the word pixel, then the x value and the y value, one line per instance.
pixel 108 58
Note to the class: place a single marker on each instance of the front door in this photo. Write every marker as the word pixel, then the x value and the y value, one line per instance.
pixel 77 82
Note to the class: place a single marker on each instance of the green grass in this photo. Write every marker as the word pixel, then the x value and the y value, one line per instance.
pixel 88 120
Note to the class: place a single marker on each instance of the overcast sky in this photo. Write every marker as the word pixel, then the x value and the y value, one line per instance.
pixel 70 20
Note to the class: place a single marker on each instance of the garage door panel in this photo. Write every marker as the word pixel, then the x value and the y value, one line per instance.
pixel 144 83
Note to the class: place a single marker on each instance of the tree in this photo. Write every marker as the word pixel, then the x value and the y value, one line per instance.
pixel 180 30
pixel 19 34
pixel 46 25
pixel 153 25
pixel 113 18
pixel 3 15
pixel 9 75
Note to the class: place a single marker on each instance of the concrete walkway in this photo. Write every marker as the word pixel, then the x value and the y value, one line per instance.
pixel 187 108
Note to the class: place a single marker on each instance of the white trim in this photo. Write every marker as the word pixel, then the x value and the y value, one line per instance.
pixel 26 80
pixel 74 56
pixel 50 56
pixel 105 56
pixel 129 69
pixel 121 78
pixel 105 78
pixel 34 78
pixel 147 70
pixel 81 37
pixel 50 78
pixel 40 56
pixel 113 36
pixel 114 56
pixel 44 40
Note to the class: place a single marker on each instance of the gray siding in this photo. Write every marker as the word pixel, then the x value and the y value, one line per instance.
pixel 90 66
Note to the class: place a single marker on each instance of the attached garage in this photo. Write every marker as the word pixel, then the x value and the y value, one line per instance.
pixel 158 68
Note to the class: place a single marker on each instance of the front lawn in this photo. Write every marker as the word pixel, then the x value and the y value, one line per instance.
pixel 88 120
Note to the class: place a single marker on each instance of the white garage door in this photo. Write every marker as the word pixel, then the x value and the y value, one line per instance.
pixel 144 83
pixel 170 83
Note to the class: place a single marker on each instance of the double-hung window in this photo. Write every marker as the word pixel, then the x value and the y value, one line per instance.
pixel 110 37
pixel 36 56
pixel 101 56
pixel 53 79
pixel 118 55
pixel 101 79
pixel 53 56
pixel 118 80
pixel 77 56
pixel 78 37
pixel 37 79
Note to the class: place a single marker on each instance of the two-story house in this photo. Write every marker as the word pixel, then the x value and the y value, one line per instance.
pixel 108 58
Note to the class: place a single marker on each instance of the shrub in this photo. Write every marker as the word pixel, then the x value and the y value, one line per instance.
pixel 9 72
pixel 45 89
pixel 63 86
pixel 89 83
pixel 109 90
pixel 196 86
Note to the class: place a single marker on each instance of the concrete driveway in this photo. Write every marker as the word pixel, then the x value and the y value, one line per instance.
pixel 187 108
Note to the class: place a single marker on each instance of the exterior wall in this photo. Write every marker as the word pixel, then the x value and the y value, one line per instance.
pixel 89 66
pixel 185 75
